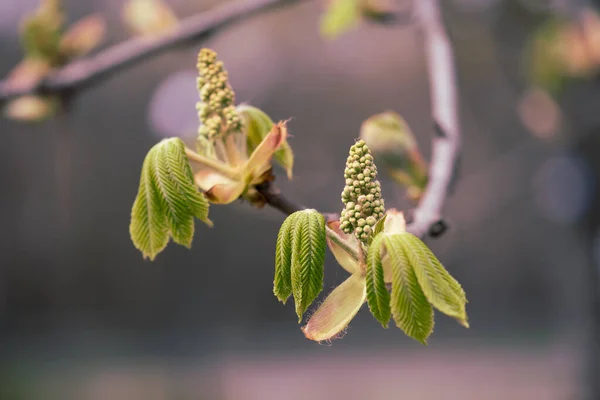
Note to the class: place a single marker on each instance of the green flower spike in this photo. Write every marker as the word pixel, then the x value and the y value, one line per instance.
pixel 216 108
pixel 226 168
pixel 362 194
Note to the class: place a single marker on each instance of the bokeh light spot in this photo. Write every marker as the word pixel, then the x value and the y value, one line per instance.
pixel 172 110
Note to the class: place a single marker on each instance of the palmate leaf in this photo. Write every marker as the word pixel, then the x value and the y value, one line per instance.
pixel 378 296
pixel 167 200
pixel 410 308
pixel 282 285
pixel 440 288
pixel 308 258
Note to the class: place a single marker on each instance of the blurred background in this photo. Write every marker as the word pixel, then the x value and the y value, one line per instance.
pixel 84 317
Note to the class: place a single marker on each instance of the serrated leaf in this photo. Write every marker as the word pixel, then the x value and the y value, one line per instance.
pixel 378 296
pixel 440 288
pixel 409 305
pixel 282 285
pixel 339 17
pixel 338 309
pixel 167 200
pixel 379 226
pixel 257 125
pixel 308 258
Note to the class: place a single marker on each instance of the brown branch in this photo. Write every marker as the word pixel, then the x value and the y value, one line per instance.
pixel 87 71
pixel 427 217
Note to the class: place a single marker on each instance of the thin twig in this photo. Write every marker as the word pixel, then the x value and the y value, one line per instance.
pixel 278 201
pixel 444 110
pixel 83 73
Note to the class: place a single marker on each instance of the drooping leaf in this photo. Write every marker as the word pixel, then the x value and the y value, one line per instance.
pixel 440 288
pixel 257 125
pixel 378 296
pixel 340 16
pixel 338 309
pixel 282 285
pixel 167 200
pixel 410 308
pixel 308 258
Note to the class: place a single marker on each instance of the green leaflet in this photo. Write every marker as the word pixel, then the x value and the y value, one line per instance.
pixel 257 125
pixel 410 308
pixel 339 17
pixel 379 226
pixel 282 285
pixel 378 296
pixel 440 288
pixel 167 200
pixel 308 258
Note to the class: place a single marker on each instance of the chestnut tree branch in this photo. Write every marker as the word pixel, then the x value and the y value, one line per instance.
pixel 87 71
pixel 444 111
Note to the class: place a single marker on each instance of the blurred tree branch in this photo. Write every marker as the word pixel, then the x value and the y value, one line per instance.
pixel 427 217
pixel 87 71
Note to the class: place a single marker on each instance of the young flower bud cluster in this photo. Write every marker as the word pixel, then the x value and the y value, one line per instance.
pixel 216 108
pixel 362 193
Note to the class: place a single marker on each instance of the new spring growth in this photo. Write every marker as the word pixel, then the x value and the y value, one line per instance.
pixel 362 194
pixel 216 108
pixel 226 167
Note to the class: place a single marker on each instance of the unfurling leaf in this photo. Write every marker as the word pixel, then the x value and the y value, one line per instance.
pixel 257 124
pixel 31 108
pixel 308 258
pixel 83 36
pixel 394 147
pixel 345 249
pixel 378 296
pixel 440 288
pixel 41 32
pixel 167 200
pixel 282 285
pixel 340 16
pixel 338 309
pixel 148 17
pixel 410 308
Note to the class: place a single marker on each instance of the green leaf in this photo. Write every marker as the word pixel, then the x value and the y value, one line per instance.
pixel 379 226
pixel 339 17
pixel 546 57
pixel 167 200
pixel 282 285
pixel 410 308
pixel 338 309
pixel 378 296
pixel 308 258
pixel 440 288
pixel 257 125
